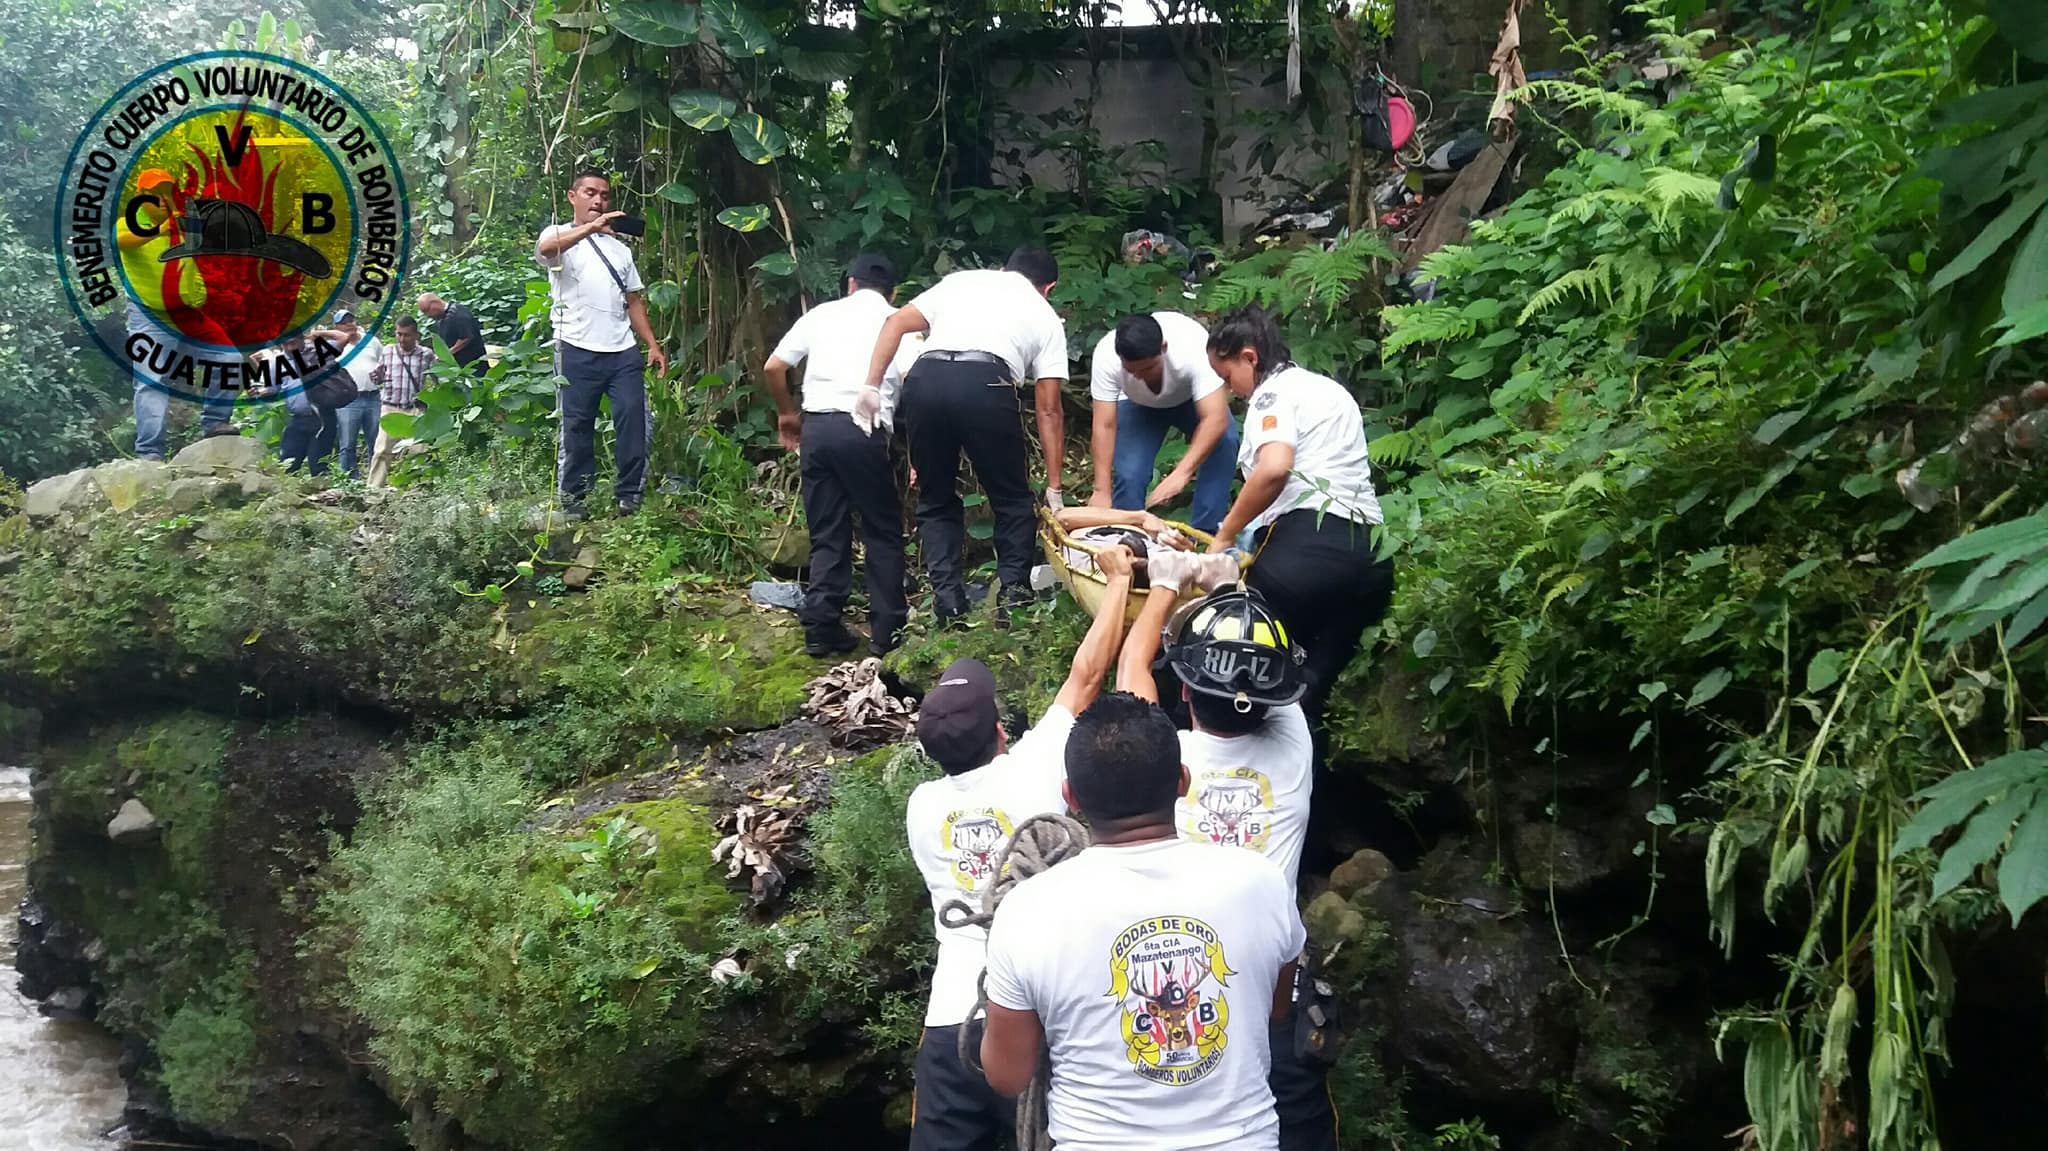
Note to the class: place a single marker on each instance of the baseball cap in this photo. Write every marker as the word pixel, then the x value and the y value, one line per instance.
pixel 872 269
pixel 957 721
pixel 343 315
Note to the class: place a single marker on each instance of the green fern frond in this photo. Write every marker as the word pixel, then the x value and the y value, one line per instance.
pixel 1560 589
pixel 1393 449
pixel 1579 209
pixel 1429 323
pixel 1508 671
pixel 1450 262
pixel 1668 188
pixel 1594 282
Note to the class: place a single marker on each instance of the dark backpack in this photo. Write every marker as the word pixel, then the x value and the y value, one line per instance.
pixel 331 389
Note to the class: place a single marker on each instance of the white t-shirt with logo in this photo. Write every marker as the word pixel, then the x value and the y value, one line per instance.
pixel 1151 968
pixel 589 309
pixel 363 357
pixel 988 310
pixel 838 339
pixel 1185 376
pixel 1251 790
pixel 1322 421
pixel 959 826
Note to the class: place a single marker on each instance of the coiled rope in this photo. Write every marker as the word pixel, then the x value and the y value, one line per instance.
pixel 1040 842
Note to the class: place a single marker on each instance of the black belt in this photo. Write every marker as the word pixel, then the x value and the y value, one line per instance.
pixel 1004 376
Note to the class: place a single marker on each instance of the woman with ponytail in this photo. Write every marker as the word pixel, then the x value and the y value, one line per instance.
pixel 1307 501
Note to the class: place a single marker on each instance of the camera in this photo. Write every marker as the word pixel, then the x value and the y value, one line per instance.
pixel 630 226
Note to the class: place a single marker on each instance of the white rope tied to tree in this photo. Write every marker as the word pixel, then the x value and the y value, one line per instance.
pixel 1293 50
pixel 1040 842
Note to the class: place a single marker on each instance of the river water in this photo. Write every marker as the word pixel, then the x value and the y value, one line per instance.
pixel 59 1083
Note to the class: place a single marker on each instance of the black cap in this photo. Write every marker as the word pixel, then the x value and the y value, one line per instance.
pixel 957 722
pixel 873 270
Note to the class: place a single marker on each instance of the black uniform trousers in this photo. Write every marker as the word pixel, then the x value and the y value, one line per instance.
pixel 846 473
pixel 592 376
pixel 1327 585
pixel 955 1109
pixel 953 405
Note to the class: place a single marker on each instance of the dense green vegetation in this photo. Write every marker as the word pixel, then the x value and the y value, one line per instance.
pixel 1713 452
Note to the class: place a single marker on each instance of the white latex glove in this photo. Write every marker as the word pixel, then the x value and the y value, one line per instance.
pixel 1213 571
pixel 867 408
pixel 1054 500
pixel 1169 569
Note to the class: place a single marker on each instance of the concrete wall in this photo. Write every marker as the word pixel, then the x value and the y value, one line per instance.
pixel 1147 98
pixel 1142 94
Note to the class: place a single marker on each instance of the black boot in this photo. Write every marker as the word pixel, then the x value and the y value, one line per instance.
pixel 829 639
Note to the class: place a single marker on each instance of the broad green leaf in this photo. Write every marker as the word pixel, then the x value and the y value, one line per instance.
pixel 1661 815
pixel 704 111
pixel 776 264
pixel 2001 229
pixel 740 32
pixel 1425 642
pixel 1651 691
pixel 676 193
pixel 2027 282
pixel 644 968
pixel 745 218
pixel 1778 425
pixel 399 424
pixel 759 141
pixel 1946 803
pixel 2024 24
pixel 1710 685
pixel 2019 536
pixel 2023 873
pixel 1823 670
pixel 1992 105
pixel 663 23
pixel 1788 866
pixel 2030 323
pixel 1979 841
pixel 1642 732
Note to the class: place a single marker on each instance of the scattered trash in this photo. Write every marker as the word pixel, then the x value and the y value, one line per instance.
pixel 776 593
pixel 1043 578
pixel 853 700
pixel 2016 422
pixel 726 970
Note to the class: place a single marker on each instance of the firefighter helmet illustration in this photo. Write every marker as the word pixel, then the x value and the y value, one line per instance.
pixel 975 839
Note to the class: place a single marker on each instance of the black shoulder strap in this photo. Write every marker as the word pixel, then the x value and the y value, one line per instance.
pixel 616 278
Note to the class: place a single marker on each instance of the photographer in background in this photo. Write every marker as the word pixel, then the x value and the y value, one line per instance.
pixel 598 311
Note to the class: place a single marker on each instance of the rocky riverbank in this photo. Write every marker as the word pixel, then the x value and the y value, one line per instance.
pixel 365 828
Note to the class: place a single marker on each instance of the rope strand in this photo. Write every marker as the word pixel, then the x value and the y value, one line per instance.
pixel 1040 842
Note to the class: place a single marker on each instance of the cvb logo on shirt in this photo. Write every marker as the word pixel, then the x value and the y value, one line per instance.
pixel 1233 807
pixel 973 839
pixel 1168 974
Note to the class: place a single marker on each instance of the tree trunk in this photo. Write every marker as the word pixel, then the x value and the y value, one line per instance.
pixel 456 88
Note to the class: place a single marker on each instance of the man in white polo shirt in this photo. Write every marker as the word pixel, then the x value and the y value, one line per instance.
pixel 598 310
pixel 959 827
pixel 845 464
pixel 1151 374
pixel 987 331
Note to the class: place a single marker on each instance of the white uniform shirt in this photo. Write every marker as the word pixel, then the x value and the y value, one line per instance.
pixel 363 357
pixel 838 338
pixel 1251 790
pixel 986 310
pixel 589 310
pixel 959 826
pixel 1321 419
pixel 1152 969
pixel 1186 374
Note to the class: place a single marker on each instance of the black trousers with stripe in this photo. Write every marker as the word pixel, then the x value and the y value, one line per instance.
pixel 951 406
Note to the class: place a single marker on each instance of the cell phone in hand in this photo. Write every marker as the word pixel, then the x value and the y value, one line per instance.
pixel 630 226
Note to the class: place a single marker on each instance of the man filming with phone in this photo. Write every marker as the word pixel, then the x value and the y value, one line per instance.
pixel 598 311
